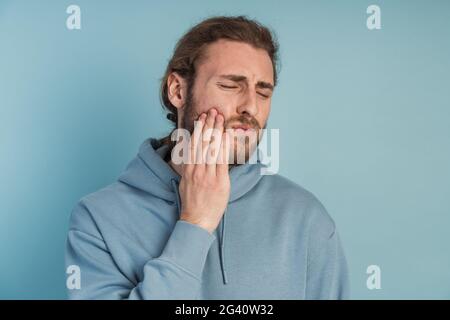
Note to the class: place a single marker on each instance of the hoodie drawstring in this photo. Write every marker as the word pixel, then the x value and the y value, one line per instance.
pixel 222 235
pixel 222 245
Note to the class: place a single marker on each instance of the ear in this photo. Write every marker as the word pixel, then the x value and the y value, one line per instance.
pixel 176 90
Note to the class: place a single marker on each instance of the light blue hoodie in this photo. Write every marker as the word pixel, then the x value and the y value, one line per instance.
pixel 275 240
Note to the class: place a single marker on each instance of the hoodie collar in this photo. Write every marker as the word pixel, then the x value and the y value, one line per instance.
pixel 149 172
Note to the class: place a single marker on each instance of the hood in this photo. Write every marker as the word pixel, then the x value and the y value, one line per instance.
pixel 150 173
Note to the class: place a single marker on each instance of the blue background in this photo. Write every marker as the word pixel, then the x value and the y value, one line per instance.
pixel 363 115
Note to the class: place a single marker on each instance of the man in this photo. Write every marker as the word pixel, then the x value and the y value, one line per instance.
pixel 211 229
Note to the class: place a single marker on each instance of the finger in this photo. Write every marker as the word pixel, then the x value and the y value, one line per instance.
pixel 194 141
pixel 207 133
pixel 224 153
pixel 214 146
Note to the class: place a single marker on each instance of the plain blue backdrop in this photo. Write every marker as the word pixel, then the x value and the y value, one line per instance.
pixel 363 115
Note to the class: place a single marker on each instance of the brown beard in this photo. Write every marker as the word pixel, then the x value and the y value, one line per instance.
pixel 190 116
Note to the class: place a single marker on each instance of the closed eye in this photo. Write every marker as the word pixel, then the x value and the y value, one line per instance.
pixel 224 86
pixel 265 96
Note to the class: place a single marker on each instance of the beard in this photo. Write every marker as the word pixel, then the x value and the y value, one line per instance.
pixel 242 144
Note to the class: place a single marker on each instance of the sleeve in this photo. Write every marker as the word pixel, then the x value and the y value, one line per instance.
pixel 327 271
pixel 175 274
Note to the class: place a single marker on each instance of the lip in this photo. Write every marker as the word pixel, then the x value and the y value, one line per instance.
pixel 242 127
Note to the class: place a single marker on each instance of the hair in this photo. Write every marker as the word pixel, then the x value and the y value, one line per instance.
pixel 190 48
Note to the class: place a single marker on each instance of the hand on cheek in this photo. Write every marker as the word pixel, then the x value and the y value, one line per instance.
pixel 205 184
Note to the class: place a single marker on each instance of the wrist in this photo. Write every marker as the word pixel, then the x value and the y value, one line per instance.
pixel 199 224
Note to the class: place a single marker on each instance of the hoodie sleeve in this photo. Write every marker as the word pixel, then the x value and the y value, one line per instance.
pixel 175 274
pixel 327 271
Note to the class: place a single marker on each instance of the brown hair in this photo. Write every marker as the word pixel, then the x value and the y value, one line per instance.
pixel 189 49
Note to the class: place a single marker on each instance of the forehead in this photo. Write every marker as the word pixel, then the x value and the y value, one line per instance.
pixel 232 57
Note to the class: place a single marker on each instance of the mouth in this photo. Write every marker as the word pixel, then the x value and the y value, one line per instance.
pixel 241 127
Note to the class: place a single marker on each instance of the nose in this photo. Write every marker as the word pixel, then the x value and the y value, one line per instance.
pixel 248 104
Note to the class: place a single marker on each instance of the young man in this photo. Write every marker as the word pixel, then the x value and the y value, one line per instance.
pixel 208 229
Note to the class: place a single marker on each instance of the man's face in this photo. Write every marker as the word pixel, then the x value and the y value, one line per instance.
pixel 237 80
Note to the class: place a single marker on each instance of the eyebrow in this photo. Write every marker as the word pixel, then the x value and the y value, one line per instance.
pixel 240 78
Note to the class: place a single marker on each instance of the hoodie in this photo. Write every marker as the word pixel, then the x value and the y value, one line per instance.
pixel 275 239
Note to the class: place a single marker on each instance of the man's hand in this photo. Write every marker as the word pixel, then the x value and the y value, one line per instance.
pixel 205 182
